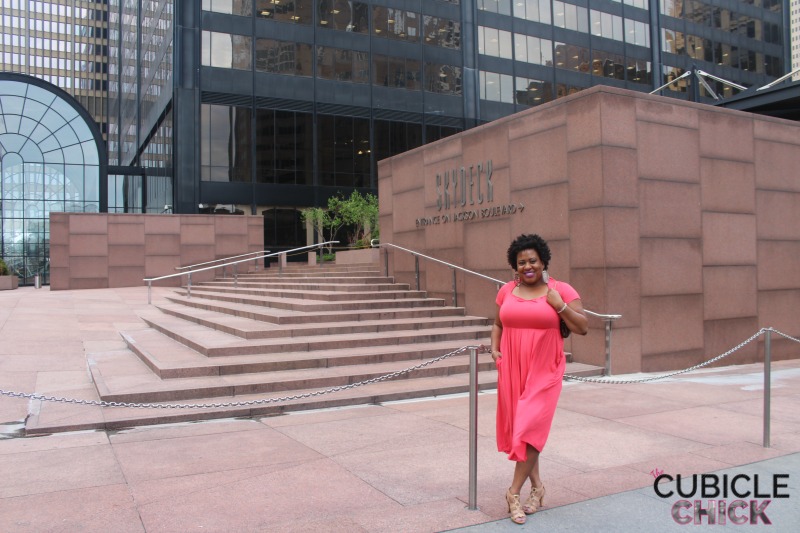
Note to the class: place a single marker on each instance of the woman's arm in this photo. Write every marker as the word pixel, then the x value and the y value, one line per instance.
pixel 497 333
pixel 573 314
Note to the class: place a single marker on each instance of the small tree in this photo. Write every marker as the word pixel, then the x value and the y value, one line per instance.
pixel 316 216
pixel 4 269
pixel 361 214
pixel 358 212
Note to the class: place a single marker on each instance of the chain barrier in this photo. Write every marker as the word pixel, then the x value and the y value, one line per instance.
pixel 685 370
pixel 378 379
pixel 101 403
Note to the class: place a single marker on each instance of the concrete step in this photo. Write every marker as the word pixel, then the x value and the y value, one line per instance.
pixel 254 405
pixel 168 358
pixel 286 316
pixel 298 304
pixel 149 388
pixel 308 286
pixel 297 278
pixel 307 270
pixel 247 328
pixel 215 343
pixel 320 295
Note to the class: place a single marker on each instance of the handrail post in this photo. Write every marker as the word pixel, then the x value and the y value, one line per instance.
pixel 455 293
pixel 149 286
pixel 416 269
pixel 189 286
pixel 767 391
pixel 235 276
pixel 223 271
pixel 281 259
pixel 608 348
pixel 386 261
pixel 473 428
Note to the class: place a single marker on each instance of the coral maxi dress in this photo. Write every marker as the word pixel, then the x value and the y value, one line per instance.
pixel 530 370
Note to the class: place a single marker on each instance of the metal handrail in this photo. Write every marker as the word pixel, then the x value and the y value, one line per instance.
pixel 235 274
pixel 607 318
pixel 221 259
pixel 375 244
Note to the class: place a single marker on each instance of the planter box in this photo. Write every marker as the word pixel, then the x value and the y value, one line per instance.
pixel 363 255
pixel 8 283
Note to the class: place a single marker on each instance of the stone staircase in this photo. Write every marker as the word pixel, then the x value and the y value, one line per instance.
pixel 272 335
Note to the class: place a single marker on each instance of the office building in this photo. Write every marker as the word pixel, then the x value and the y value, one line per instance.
pixel 269 106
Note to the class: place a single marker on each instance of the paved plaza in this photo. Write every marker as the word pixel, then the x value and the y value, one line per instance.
pixel 399 466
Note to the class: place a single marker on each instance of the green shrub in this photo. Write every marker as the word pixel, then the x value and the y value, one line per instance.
pixel 4 269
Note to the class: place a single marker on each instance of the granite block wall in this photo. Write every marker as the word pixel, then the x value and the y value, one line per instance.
pixel 89 251
pixel 684 218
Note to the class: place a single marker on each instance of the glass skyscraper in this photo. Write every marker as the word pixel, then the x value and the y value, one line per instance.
pixel 269 106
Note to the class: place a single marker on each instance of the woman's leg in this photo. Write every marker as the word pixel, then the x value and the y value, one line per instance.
pixel 524 470
pixel 536 480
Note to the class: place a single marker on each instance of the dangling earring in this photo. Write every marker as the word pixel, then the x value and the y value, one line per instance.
pixel 545 276
pixel 516 279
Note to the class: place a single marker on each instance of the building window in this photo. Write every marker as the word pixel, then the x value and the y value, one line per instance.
pixel 497 87
pixel 342 65
pixel 284 147
pixel 225 143
pixel 225 50
pixel 343 151
pixel 532 92
pixel 49 162
pixel 442 32
pixel 231 7
pixel 606 25
pixel 535 10
pixel 570 17
pixel 343 15
pixel 283 57
pixel 442 79
pixel 637 33
pixel 573 57
pixel 534 50
pixel 502 7
pixel 395 137
pixel 292 11
pixel 397 72
pixel 494 42
pixel 397 24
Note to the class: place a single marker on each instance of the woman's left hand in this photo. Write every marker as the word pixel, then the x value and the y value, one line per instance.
pixel 554 299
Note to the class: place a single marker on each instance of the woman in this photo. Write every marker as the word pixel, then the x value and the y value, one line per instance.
pixel 528 350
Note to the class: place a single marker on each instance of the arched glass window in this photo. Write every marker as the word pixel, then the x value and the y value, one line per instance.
pixel 50 160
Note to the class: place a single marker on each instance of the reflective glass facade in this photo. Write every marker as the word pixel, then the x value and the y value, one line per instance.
pixel 269 106
pixel 51 159
pixel 63 42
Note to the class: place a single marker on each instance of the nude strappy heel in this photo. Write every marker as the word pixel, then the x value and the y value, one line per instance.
pixel 515 508
pixel 534 501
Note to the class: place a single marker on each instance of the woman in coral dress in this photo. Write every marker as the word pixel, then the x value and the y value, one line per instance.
pixel 528 350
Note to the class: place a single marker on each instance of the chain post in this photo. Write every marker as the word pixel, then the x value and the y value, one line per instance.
pixel 767 385
pixel 608 348
pixel 473 428
pixel 455 291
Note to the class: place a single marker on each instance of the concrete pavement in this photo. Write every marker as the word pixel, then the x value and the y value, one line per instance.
pixel 392 467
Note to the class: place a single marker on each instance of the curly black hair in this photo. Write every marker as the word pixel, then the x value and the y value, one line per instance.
pixel 529 242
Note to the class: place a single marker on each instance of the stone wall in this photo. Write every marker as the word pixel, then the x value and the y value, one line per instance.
pixel 684 218
pixel 90 251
